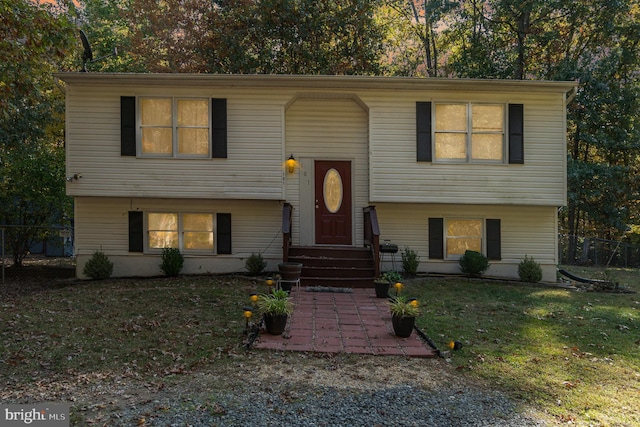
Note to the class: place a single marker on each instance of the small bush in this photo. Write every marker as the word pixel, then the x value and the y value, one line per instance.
pixel 391 277
pixel 172 261
pixel 529 270
pixel 473 263
pixel 410 262
pixel 98 267
pixel 255 264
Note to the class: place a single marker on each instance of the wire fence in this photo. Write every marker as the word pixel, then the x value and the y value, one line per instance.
pixel 598 252
pixel 36 253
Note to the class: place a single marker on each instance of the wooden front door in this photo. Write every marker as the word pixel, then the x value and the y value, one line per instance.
pixel 333 202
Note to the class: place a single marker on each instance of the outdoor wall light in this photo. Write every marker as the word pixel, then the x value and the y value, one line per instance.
pixel 75 176
pixel 291 164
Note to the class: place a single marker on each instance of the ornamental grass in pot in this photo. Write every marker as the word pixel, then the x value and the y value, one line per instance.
pixel 276 308
pixel 403 315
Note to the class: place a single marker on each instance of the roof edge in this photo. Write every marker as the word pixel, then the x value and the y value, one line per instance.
pixel 315 81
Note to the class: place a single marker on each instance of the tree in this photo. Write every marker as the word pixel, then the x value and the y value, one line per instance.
pixel 412 38
pixel 34 42
pixel 247 36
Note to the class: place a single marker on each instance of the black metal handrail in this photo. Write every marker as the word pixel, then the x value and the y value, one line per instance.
pixel 287 223
pixel 372 235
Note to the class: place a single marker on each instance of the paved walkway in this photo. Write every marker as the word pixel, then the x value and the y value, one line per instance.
pixel 337 322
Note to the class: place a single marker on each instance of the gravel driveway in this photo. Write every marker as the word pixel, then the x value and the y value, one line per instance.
pixel 295 389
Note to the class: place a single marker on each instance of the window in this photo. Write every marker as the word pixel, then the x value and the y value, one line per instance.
pixel 449 238
pixel 469 132
pixel 463 235
pixel 186 231
pixel 174 127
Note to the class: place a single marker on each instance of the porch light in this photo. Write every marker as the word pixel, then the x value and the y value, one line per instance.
pixel 291 164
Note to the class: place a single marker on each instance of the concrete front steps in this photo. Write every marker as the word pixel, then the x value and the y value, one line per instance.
pixel 334 266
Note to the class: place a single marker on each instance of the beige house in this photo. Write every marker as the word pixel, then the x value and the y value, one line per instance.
pixel 200 162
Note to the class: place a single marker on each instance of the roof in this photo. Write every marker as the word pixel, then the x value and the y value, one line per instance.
pixel 316 81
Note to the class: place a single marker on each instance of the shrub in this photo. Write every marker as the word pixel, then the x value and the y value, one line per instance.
pixel 172 261
pixel 410 262
pixel 391 277
pixel 98 267
pixel 529 270
pixel 255 264
pixel 473 263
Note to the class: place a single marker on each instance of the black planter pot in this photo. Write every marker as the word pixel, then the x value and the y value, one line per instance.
pixel 382 289
pixel 286 286
pixel 402 326
pixel 275 323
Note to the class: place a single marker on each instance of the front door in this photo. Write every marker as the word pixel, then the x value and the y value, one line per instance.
pixel 333 202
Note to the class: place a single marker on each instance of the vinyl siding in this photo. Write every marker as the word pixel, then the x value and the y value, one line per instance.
pixel 525 230
pixel 396 176
pixel 261 135
pixel 252 169
pixel 102 224
pixel 325 129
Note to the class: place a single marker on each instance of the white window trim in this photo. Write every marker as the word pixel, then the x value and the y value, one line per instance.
pixel 483 236
pixel 174 133
pixel 469 134
pixel 150 250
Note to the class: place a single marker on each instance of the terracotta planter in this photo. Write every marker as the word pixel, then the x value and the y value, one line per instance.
pixel 382 289
pixel 403 326
pixel 290 270
pixel 275 323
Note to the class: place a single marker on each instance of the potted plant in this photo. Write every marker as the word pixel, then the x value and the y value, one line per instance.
pixel 276 308
pixel 385 281
pixel 403 315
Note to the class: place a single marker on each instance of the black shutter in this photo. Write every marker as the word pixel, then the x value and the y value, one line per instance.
pixel 136 232
pixel 436 238
pixel 516 133
pixel 127 125
pixel 219 121
pixel 494 248
pixel 223 233
pixel 423 131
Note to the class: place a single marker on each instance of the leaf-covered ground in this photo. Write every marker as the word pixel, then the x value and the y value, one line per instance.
pixel 110 346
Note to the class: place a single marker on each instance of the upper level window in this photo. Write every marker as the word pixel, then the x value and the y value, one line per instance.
pixel 469 132
pixel 175 127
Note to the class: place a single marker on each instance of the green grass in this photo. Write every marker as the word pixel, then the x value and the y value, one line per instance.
pixel 574 355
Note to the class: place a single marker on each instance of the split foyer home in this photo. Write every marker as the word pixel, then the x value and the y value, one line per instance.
pixel 324 170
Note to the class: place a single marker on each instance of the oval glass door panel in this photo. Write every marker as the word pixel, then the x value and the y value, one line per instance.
pixel 332 190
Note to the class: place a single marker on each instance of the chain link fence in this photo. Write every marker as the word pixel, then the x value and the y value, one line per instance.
pixel 598 252
pixel 43 253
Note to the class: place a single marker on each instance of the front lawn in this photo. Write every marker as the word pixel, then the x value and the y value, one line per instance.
pixel 573 356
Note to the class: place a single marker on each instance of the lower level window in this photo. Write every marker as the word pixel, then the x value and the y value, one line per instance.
pixel 185 231
pixel 463 235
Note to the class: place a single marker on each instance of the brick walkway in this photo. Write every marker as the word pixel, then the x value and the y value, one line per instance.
pixel 341 322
